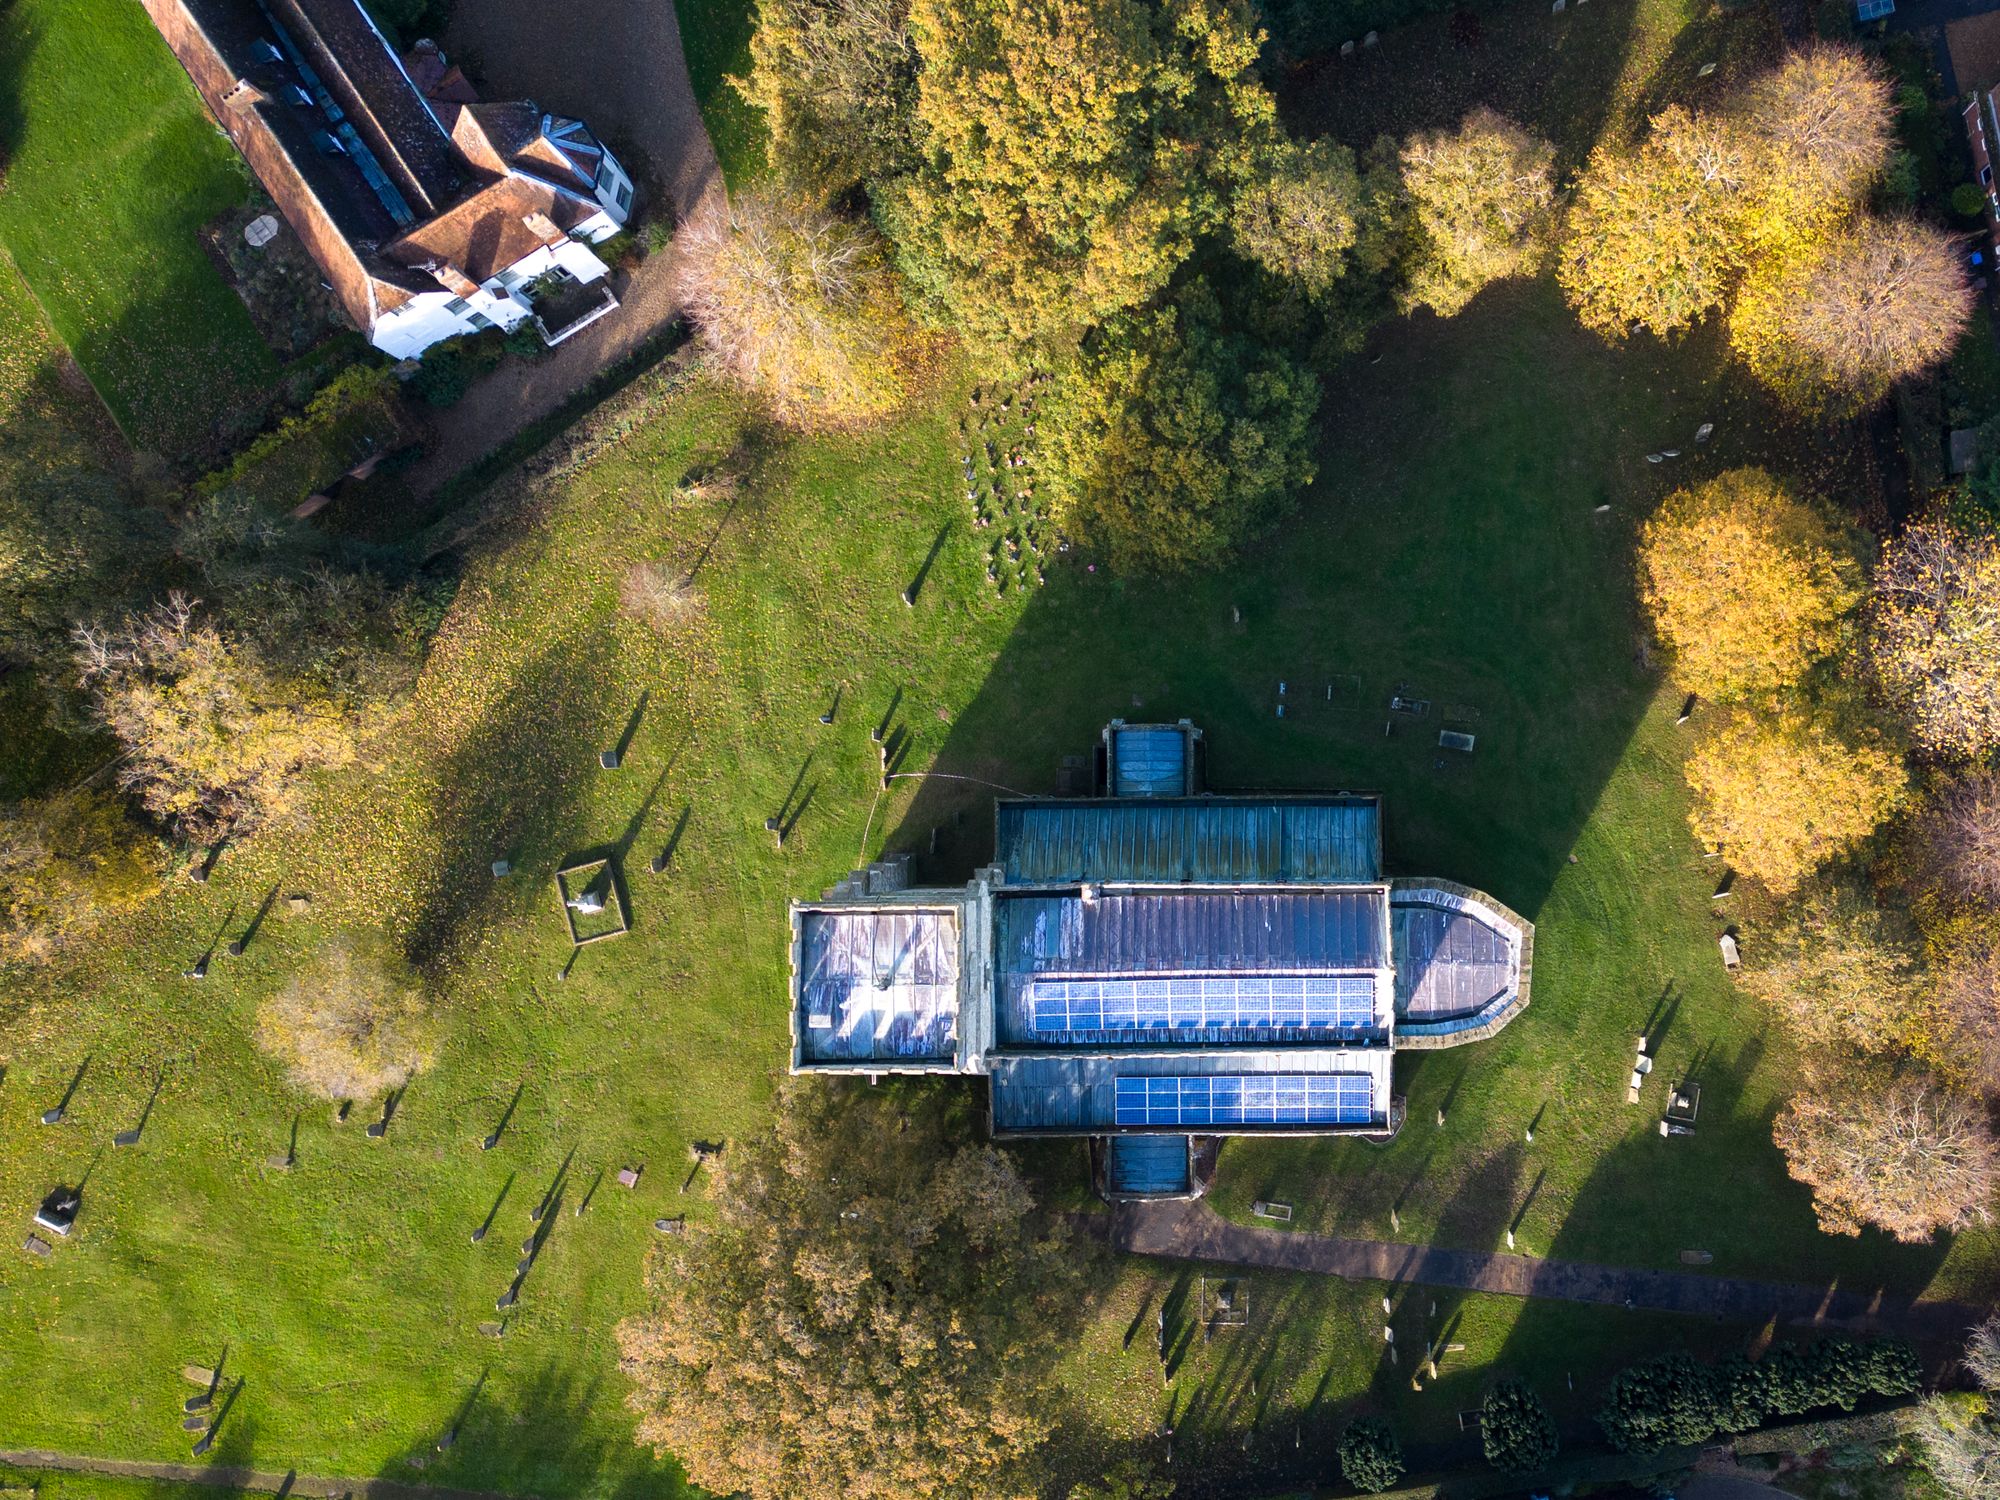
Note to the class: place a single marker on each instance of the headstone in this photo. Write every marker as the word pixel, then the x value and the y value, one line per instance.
pixel 125 1138
pixel 1696 1257
pixel 1656 458
pixel 298 901
pixel 260 231
pixel 1705 70
pixel 200 969
pixel 193 1424
pixel 377 1130
pixel 1558 6
pixel 202 1402
pixel 1346 50
pixel 493 1330
pixel 235 949
pixel 36 1245
pixel 52 1116
pixel 196 1375
pixel 282 1162
pixel 675 1225
pixel 1703 433
pixel 628 1177
pixel 1370 39
pixel 507 1299
pixel 607 760
pixel 501 869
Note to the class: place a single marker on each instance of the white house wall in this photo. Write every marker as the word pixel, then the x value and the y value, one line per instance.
pixel 432 317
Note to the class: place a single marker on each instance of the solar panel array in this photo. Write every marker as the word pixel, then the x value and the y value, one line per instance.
pixel 1246 1099
pixel 1224 1002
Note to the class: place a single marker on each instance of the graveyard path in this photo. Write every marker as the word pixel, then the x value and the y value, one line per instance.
pixel 229 1477
pixel 1195 1231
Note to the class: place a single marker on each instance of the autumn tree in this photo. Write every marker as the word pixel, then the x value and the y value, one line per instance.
pixel 837 81
pixel 351 1023
pixel 1070 152
pixel 1958 1436
pixel 1888 1148
pixel 1821 127
pixel 1840 970
pixel 1838 324
pixel 1784 792
pixel 1172 441
pixel 1296 217
pixel 1481 197
pixel 1956 841
pixel 1934 637
pixel 873 1313
pixel 214 743
pixel 1655 236
pixel 70 861
pixel 1966 959
pixel 796 305
pixel 1746 582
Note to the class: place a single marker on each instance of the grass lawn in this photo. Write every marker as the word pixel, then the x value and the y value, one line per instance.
pixel 715 37
pixel 1452 546
pixel 113 167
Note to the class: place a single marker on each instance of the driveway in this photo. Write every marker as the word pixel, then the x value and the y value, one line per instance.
pixel 616 65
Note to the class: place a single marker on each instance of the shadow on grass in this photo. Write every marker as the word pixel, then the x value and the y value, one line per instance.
pixel 513 790
pixel 534 1438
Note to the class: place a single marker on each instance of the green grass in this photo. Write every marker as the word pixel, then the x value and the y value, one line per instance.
pixel 113 167
pixel 715 37
pixel 1452 546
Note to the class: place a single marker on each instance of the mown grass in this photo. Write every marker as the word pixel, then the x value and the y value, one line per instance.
pixel 113 168
pixel 715 36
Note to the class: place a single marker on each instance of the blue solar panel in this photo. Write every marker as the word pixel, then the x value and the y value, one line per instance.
pixel 1224 1002
pixel 1246 1099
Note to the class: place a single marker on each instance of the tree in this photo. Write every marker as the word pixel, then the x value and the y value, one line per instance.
pixel 214 744
pixel 796 306
pixel 1958 1436
pixel 837 81
pixel 1482 197
pixel 1967 962
pixel 1370 1457
pixel 1746 583
pixel 1840 970
pixel 1655 235
pixel 1934 637
pixel 1297 216
pixel 1823 126
pixel 873 1314
pixel 1784 792
pixel 1838 324
pixel 351 1024
pixel 1888 1148
pixel 1741 1401
pixel 1516 1430
pixel 1171 442
pixel 1956 838
pixel 1669 1402
pixel 68 862
pixel 1070 153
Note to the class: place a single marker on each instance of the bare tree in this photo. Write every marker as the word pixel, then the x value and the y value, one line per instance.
pixel 1888 1148
pixel 1884 299
pixel 1958 839
pixel 1827 117
pixel 1959 1441
pixel 1935 636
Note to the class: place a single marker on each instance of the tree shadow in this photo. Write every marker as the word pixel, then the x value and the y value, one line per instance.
pixel 512 790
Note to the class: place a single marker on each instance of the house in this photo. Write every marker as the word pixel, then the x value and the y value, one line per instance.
pixel 1155 966
pixel 431 213
pixel 1982 128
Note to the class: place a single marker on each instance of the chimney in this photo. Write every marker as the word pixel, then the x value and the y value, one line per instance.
pixel 451 278
pixel 543 228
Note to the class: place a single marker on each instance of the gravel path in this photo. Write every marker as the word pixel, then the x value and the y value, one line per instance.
pixel 1194 1231
pixel 617 65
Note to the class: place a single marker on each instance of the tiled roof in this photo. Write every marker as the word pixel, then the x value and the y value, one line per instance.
pixel 1203 840
pixel 488 232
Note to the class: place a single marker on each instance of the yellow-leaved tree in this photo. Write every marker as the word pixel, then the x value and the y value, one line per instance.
pixel 1070 152
pixel 351 1023
pixel 1934 637
pixel 1784 791
pixel 1840 970
pixel 796 305
pixel 1820 127
pixel 1746 583
pixel 1836 324
pixel 1655 236
pixel 1481 196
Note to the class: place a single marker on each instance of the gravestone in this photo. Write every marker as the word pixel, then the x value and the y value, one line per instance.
pixel 193 1424
pixel 675 1225
pixel 52 1116
pixel 501 869
pixel 200 969
pixel 260 231
pixel 126 1138
pixel 59 1210
pixel 492 1330
pixel 298 901
pixel 1346 50
pixel 628 1177
pixel 36 1245
pixel 1370 39
pixel 607 760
